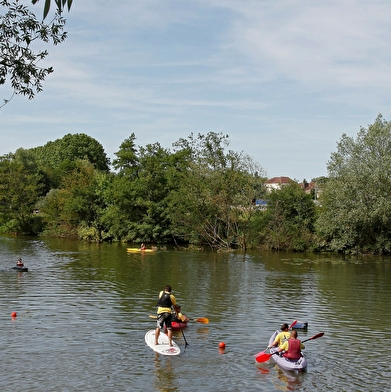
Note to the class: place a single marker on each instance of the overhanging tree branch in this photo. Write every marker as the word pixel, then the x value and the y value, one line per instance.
pixel 19 60
pixel 59 3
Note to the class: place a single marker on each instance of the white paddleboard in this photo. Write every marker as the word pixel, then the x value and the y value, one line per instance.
pixel 162 347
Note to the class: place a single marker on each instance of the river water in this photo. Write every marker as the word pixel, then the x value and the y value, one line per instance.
pixel 83 310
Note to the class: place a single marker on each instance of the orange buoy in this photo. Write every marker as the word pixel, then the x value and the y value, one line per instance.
pixel 221 345
pixel 13 314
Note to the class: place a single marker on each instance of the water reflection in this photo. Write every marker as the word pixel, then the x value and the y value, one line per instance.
pixel 203 332
pixel 282 380
pixel 289 381
pixel 165 378
pixel 83 312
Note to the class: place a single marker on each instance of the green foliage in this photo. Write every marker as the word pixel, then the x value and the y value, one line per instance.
pixel 137 197
pixel 18 195
pixel 22 38
pixel 59 3
pixel 288 222
pixel 213 202
pixel 76 207
pixel 200 193
pixel 59 158
pixel 127 161
pixel 120 211
pixel 356 204
pixel 27 158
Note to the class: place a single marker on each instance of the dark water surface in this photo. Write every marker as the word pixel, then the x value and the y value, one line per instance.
pixel 83 312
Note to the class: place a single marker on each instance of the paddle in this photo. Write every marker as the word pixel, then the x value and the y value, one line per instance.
pixel 183 334
pixel 202 320
pixel 318 335
pixel 263 357
pixel 180 327
pixel 294 322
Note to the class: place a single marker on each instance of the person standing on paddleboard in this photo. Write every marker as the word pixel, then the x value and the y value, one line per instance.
pixel 164 316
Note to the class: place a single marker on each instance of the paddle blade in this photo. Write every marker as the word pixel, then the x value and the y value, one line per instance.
pixel 262 357
pixel 293 324
pixel 202 320
pixel 318 335
pixel 153 316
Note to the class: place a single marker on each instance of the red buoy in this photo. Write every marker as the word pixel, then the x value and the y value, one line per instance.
pixel 13 314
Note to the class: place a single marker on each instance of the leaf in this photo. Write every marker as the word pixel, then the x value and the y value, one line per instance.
pixel 46 9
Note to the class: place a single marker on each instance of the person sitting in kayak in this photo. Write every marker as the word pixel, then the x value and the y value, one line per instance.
pixel 143 247
pixel 292 347
pixel 282 337
pixel 179 317
pixel 19 263
pixel 164 316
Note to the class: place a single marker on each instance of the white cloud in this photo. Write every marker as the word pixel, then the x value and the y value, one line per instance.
pixel 341 42
pixel 284 79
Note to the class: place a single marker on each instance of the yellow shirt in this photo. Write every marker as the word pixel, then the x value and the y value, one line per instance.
pixel 281 338
pixel 162 309
pixel 181 317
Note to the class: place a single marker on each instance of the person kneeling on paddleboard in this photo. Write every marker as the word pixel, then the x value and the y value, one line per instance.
pixel 164 316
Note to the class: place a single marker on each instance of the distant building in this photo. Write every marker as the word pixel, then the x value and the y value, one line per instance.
pixel 312 188
pixel 277 182
pixel 308 186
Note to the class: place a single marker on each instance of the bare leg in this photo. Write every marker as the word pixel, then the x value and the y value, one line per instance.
pixel 157 333
pixel 169 334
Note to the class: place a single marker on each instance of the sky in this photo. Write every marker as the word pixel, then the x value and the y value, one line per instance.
pixel 284 79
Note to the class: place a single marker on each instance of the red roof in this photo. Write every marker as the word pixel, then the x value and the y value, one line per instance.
pixel 279 180
pixel 308 186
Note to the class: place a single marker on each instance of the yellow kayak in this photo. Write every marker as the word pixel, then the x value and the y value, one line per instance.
pixel 140 250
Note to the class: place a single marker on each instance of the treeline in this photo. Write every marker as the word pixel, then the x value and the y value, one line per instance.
pixel 199 192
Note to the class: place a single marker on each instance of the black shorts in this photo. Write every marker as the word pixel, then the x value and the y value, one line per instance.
pixel 164 320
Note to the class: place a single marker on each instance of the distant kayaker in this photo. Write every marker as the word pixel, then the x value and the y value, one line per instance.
pixel 292 347
pixel 282 337
pixel 164 316
pixel 179 317
pixel 19 263
pixel 143 247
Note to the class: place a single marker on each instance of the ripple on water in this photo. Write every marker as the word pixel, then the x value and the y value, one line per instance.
pixel 83 313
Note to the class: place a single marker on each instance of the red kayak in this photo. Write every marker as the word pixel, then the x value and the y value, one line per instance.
pixel 177 326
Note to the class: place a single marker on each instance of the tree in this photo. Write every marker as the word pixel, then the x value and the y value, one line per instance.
pixel 138 207
pixel 29 160
pixel 18 196
pixel 213 202
pixel 127 161
pixel 59 157
pixel 288 222
pixel 356 202
pixel 21 39
pixel 75 209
